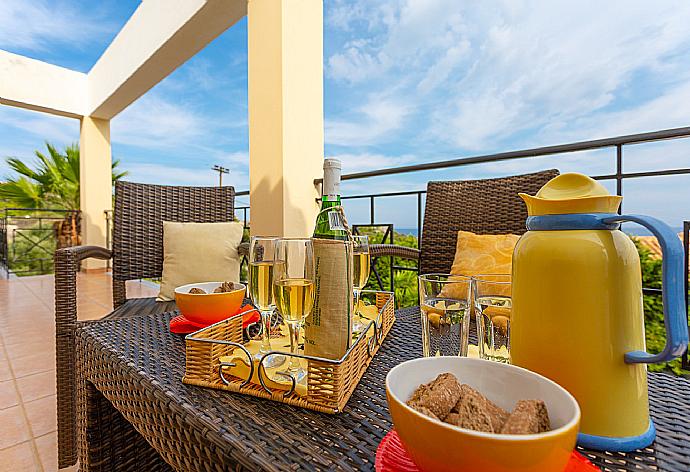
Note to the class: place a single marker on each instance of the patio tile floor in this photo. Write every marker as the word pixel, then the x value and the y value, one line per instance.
pixel 27 363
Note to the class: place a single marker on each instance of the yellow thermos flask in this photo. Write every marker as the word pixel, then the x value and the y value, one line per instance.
pixel 577 307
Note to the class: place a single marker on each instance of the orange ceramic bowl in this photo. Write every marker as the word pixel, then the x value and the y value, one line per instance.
pixel 208 308
pixel 436 446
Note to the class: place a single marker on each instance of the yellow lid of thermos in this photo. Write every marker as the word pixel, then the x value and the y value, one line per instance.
pixel 571 193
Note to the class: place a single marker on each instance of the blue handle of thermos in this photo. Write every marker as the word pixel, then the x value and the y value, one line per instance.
pixel 672 289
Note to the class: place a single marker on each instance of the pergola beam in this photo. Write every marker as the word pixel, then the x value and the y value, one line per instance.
pixel 36 85
pixel 159 37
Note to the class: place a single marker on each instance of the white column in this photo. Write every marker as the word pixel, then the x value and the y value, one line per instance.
pixel 285 62
pixel 95 184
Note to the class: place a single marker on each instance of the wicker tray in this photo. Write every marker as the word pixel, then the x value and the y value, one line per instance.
pixel 329 382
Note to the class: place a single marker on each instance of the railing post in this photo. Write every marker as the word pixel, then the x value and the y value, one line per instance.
pixel 685 363
pixel 419 220
pixel 371 210
pixel 619 174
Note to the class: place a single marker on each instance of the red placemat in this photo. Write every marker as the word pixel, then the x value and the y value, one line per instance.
pixel 391 456
pixel 181 325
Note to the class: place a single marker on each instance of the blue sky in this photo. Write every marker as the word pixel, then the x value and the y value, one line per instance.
pixel 406 81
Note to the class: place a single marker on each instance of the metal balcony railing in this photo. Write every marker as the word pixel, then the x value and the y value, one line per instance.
pixel 29 237
pixel 618 143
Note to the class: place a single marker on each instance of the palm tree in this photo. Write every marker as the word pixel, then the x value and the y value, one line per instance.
pixel 53 182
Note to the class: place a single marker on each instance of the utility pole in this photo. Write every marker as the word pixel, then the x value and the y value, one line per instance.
pixel 221 170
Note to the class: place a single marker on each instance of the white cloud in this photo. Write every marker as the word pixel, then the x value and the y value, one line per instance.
pixel 369 161
pixel 373 121
pixel 492 75
pixel 154 121
pixel 166 174
pixel 38 25
pixel 56 129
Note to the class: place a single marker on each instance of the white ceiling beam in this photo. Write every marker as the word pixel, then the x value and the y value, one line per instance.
pixel 35 85
pixel 159 37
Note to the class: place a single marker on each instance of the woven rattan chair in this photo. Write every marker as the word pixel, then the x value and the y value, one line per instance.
pixel 489 206
pixel 137 253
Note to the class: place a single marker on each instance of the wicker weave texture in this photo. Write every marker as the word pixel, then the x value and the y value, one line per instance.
pixel 136 364
pixel 141 209
pixel 489 206
pixel 66 267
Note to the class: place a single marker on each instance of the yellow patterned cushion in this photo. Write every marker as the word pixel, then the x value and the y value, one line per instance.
pixel 480 254
pixel 477 254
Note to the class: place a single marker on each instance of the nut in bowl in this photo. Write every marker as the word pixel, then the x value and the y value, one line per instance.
pixel 206 303
pixel 437 446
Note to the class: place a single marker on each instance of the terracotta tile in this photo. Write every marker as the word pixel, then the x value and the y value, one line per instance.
pixel 17 311
pixel 91 311
pixel 42 415
pixel 19 316
pixel 42 332
pixel 47 451
pixel 20 457
pixel 5 372
pixel 33 387
pixel 33 364
pixel 46 345
pixel 14 428
pixel 8 394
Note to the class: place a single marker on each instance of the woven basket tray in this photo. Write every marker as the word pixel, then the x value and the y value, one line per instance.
pixel 329 382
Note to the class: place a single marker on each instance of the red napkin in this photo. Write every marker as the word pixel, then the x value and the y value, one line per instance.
pixel 181 325
pixel 391 456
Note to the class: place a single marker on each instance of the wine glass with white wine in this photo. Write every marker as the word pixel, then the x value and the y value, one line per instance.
pixel 360 275
pixel 293 286
pixel 261 251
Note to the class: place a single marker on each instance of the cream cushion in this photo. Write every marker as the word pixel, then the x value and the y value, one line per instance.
pixel 199 252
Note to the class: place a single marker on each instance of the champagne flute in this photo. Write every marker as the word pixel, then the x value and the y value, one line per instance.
pixel 360 275
pixel 261 252
pixel 293 286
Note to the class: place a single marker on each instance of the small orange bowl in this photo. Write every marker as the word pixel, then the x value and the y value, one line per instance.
pixel 209 308
pixel 439 447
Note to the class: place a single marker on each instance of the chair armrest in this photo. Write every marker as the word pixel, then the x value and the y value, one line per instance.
pixel 243 249
pixel 66 267
pixel 381 250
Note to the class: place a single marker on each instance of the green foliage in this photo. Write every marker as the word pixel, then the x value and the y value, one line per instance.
pixel 52 181
pixel 654 312
pixel 405 281
pixel 27 257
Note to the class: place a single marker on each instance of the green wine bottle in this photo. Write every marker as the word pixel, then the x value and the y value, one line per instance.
pixel 329 222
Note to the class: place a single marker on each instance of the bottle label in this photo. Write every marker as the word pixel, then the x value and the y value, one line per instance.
pixel 335 221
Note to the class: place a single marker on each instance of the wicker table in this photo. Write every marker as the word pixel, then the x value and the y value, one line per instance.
pixel 135 413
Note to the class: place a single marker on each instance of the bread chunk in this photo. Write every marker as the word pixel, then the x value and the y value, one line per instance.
pixel 471 412
pixel 497 415
pixel 424 411
pixel 438 396
pixel 528 417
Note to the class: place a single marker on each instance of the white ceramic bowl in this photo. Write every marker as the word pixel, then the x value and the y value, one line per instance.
pixel 437 446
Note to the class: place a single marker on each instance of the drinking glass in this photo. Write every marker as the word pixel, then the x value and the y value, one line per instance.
pixel 293 286
pixel 445 310
pixel 360 275
pixel 261 251
pixel 493 306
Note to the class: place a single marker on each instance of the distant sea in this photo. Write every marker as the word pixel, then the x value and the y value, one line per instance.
pixel 633 229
